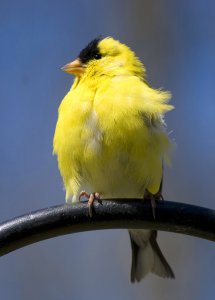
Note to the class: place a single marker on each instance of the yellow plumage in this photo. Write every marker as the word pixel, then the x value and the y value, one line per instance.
pixel 110 135
pixel 109 131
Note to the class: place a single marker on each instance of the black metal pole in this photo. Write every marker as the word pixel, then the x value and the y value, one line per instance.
pixel 65 219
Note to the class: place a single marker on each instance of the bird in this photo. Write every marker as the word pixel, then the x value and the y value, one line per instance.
pixel 111 141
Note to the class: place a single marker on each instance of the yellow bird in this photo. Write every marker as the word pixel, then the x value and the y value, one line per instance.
pixel 110 139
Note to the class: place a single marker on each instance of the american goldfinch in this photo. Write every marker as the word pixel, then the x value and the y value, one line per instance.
pixel 110 139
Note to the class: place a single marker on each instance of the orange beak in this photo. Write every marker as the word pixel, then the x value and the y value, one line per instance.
pixel 75 67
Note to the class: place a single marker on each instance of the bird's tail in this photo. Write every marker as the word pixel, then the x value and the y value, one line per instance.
pixel 147 256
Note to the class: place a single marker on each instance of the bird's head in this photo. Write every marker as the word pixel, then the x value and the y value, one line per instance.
pixel 105 57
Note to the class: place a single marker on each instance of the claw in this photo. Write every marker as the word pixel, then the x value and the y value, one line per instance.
pixel 90 204
pixel 91 198
pixel 153 205
pixel 153 199
pixel 83 194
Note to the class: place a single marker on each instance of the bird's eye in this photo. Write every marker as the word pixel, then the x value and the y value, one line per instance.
pixel 97 56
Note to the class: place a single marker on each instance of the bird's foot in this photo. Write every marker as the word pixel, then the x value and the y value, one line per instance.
pixel 83 194
pixel 91 198
pixel 153 199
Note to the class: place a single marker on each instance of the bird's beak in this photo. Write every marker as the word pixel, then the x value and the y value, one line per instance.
pixel 75 67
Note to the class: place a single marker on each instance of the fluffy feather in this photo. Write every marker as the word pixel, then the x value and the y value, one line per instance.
pixel 110 135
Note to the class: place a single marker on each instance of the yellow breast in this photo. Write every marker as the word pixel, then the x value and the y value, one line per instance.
pixel 111 137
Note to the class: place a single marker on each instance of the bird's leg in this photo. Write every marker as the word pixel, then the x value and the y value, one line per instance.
pixel 91 198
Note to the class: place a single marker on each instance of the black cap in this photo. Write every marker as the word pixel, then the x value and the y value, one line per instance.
pixel 91 51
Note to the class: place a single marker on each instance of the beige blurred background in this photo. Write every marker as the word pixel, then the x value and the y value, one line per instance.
pixel 176 42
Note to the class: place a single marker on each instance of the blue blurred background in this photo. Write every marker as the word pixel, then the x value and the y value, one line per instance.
pixel 176 41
